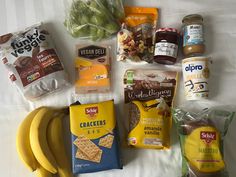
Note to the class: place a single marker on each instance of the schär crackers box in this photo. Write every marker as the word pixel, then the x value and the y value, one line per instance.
pixel 94 137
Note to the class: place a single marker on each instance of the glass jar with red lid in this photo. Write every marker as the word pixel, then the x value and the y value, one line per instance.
pixel 166 45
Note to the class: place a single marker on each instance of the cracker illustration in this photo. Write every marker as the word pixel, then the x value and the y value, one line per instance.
pixel 109 130
pixel 106 141
pixel 81 155
pixel 86 146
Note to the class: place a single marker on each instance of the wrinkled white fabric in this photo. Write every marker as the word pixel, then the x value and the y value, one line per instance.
pixel 220 34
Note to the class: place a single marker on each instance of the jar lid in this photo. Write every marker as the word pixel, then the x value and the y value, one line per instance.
pixel 192 17
pixel 168 30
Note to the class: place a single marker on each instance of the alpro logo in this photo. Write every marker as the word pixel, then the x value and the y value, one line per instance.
pixel 27 42
pixel 192 68
pixel 207 136
pixel 91 111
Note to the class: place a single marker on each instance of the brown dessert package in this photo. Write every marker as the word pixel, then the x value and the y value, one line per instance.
pixel 149 96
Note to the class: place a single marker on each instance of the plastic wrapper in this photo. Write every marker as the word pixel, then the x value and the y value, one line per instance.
pixel 115 7
pixel 93 68
pixel 135 40
pixel 149 96
pixel 201 138
pixel 32 62
pixel 90 19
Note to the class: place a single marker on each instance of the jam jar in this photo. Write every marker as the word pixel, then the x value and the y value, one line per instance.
pixel 193 38
pixel 166 45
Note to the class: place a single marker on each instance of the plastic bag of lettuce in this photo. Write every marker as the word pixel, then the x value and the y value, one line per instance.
pixel 115 7
pixel 91 19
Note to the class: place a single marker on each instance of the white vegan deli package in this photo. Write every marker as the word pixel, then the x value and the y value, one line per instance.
pixel 32 62
pixel 93 68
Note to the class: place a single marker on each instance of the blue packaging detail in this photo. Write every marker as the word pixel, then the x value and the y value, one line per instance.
pixel 95 137
pixel 110 158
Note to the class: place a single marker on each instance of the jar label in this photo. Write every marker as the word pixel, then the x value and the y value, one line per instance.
pixel 193 35
pixel 166 49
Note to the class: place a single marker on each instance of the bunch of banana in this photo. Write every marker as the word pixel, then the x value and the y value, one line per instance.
pixel 40 143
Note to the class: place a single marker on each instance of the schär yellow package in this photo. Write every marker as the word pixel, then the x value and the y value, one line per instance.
pixel 202 136
pixel 94 137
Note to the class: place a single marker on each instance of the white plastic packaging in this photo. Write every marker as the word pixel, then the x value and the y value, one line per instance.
pixel 31 59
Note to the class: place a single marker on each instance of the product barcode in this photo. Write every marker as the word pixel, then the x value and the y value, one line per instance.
pixel 152 141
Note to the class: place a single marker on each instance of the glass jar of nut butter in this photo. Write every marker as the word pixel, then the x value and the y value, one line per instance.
pixel 193 38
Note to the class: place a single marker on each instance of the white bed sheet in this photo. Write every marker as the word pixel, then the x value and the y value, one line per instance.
pixel 220 22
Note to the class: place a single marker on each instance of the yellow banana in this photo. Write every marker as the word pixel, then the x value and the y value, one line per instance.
pixel 38 139
pixel 55 140
pixel 41 172
pixel 23 142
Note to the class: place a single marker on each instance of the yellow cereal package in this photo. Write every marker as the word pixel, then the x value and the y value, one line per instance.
pixel 149 95
pixel 94 137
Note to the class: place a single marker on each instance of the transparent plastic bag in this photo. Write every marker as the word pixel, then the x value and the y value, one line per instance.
pixel 115 7
pixel 135 40
pixel 201 139
pixel 89 19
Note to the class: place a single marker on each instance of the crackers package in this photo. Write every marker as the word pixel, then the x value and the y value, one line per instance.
pixel 94 137
pixel 149 96
pixel 93 69
pixel 201 137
